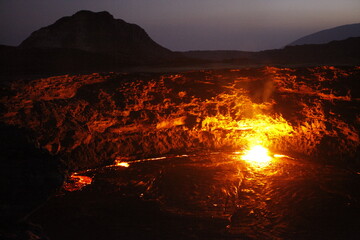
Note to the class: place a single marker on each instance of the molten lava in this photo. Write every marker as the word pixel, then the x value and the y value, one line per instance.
pixel 77 182
pixel 257 155
pixel 122 164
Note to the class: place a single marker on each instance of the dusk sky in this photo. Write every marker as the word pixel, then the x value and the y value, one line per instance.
pixel 192 24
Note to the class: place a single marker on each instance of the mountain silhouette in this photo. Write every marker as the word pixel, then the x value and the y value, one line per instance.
pixel 333 34
pixel 89 42
pixel 85 42
pixel 97 32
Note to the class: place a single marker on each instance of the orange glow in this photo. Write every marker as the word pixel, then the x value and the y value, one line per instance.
pixel 76 182
pixel 228 110
pixel 257 155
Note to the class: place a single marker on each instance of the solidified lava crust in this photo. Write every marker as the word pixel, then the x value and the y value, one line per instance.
pixel 90 120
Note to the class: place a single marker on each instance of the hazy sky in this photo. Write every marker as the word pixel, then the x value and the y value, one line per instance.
pixel 192 24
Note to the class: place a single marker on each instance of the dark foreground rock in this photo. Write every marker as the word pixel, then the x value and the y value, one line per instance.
pixel 22 231
pixel 209 196
pixel 28 177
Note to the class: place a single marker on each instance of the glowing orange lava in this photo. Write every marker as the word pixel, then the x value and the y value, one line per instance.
pixel 123 164
pixel 76 182
pixel 257 155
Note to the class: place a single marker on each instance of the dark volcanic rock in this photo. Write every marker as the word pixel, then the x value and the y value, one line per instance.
pixel 97 33
pixel 28 177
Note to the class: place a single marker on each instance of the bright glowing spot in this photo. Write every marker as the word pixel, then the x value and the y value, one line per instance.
pixel 282 156
pixel 257 155
pixel 123 164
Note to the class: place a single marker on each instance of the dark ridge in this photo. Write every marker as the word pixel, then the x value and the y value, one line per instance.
pixel 336 52
pixel 332 34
